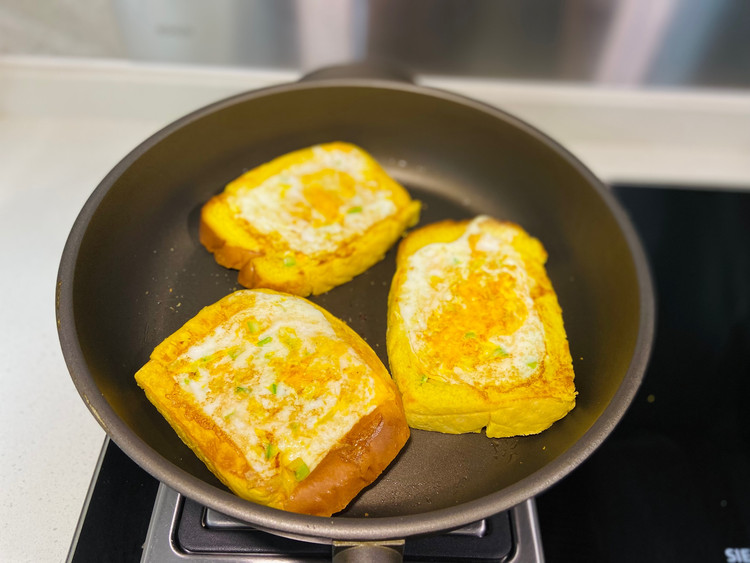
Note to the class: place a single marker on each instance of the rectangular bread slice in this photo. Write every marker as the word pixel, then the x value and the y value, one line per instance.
pixel 307 221
pixel 475 332
pixel 283 402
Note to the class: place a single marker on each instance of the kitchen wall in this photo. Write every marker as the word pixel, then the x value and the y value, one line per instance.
pixel 685 43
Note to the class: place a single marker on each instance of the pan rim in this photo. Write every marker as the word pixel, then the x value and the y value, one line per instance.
pixel 315 528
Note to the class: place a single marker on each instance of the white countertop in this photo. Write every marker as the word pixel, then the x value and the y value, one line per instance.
pixel 65 123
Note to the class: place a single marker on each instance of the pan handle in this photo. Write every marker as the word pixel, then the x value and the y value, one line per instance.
pixel 367 69
pixel 372 552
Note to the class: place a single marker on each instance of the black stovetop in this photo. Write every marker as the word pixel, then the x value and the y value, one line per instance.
pixel 672 482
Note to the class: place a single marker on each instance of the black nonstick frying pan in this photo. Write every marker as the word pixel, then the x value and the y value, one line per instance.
pixel 133 271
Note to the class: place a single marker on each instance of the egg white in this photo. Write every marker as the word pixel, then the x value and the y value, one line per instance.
pixel 269 207
pixel 434 268
pixel 233 350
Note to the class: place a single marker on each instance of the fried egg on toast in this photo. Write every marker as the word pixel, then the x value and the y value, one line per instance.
pixel 283 402
pixel 307 221
pixel 475 332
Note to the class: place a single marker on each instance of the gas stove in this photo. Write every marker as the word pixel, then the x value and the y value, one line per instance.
pixel 183 530
pixel 179 529
pixel 669 484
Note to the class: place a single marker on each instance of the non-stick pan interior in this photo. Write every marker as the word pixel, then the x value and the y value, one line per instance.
pixel 139 272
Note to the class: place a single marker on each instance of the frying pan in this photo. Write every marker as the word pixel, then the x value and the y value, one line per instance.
pixel 133 271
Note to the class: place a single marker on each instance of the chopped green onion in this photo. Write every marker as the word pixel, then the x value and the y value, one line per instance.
pixel 252 326
pixel 186 381
pixel 500 351
pixel 240 389
pixel 226 416
pixel 234 353
pixel 532 364
pixel 264 341
pixel 300 469
pixel 470 334
pixel 289 261
pixel 273 388
pixel 355 209
pixel 423 380
pixel 271 450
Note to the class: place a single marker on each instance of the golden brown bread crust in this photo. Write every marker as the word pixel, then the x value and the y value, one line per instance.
pixel 268 259
pixel 355 464
pixel 351 464
pixel 226 254
pixel 435 399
